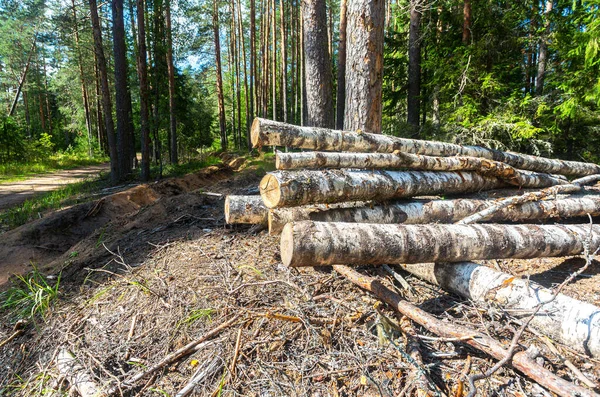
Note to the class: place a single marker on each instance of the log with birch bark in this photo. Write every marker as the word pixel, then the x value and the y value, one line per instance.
pixel 309 243
pixel 245 209
pixel 566 320
pixel 78 377
pixel 523 361
pixel 398 160
pixel 272 133
pixel 436 211
pixel 295 188
pixel 572 187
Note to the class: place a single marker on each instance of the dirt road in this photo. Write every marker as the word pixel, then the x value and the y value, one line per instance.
pixel 15 193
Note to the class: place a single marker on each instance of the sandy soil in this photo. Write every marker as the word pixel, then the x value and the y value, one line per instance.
pixel 15 193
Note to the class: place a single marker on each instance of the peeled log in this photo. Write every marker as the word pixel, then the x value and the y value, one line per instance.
pixel 272 133
pixel 309 243
pixel 320 160
pixel 566 320
pixel 436 211
pixel 294 188
pixel 245 209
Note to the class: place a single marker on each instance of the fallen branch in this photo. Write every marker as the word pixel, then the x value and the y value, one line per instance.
pixel 184 351
pixel 521 361
pixel 202 373
pixel 564 319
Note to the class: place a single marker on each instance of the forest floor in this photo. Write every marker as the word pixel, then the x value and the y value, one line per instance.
pixel 143 272
pixel 17 192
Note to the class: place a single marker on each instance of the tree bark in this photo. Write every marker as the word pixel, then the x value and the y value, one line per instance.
pixel 566 320
pixel 543 52
pixel 310 243
pixel 364 65
pixel 274 59
pixel 115 175
pixel 284 65
pixel 245 209
pixel 142 69
pixel 253 74
pixel 171 70
pixel 318 78
pixel 521 361
pixel 292 188
pixel 466 33
pixel 270 133
pixel 341 71
pixel 220 99
pixel 435 211
pixel 84 94
pixel 247 95
pixel 121 89
pixel 320 160
pixel 414 66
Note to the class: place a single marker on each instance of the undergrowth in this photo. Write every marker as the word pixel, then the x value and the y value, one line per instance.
pixel 32 295
pixel 68 195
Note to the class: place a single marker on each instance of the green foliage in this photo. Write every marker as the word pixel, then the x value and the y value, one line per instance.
pixel 31 296
pixel 32 208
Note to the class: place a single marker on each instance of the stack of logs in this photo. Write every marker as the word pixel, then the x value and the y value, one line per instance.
pixel 352 200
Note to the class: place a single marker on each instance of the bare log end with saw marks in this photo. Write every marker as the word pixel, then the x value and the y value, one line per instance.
pixel 245 209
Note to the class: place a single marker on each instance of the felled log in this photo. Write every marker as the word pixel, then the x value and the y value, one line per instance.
pixel 78 377
pixel 309 243
pixel 436 211
pixel 574 186
pixel 245 209
pixel 566 320
pixel 272 133
pixel 398 160
pixel 523 361
pixel 294 188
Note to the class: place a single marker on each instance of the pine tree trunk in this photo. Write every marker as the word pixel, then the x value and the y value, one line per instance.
pixel 565 320
pixel 270 133
pixel 466 33
pixel 23 77
pixel 293 188
pixel 284 64
pixel 341 71
pixel 115 175
pixel 310 243
pixel 543 52
pixel 253 74
pixel 171 70
pixel 220 99
pixel 317 74
pixel 364 65
pixel 247 94
pixel 121 89
pixel 414 66
pixel 142 69
pixel 84 94
pixel 274 60
pixel 436 211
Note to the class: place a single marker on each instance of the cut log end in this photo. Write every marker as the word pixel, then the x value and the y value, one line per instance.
pixel 270 191
pixel 227 209
pixel 255 133
pixel 287 245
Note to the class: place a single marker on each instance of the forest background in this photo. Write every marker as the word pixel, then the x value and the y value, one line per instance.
pixel 172 79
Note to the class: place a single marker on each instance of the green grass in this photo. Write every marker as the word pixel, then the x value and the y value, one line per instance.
pixel 68 195
pixel 181 169
pixel 197 314
pixel 16 171
pixel 31 296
